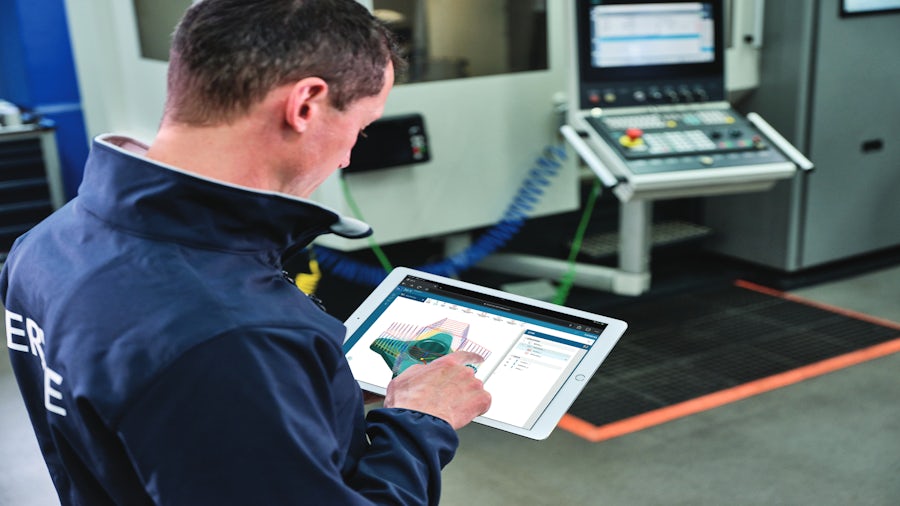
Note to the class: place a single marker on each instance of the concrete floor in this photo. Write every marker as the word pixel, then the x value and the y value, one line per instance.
pixel 831 440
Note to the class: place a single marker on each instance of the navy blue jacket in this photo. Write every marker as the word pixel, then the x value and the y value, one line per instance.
pixel 165 359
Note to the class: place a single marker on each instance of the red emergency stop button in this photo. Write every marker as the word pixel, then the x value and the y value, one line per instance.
pixel 634 133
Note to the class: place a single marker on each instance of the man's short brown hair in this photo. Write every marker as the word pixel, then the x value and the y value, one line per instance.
pixel 227 55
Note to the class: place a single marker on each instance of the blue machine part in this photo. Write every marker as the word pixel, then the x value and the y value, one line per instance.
pixel 38 76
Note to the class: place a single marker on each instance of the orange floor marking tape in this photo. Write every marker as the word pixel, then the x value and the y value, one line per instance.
pixel 596 434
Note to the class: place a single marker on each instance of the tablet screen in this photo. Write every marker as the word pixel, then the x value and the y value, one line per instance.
pixel 530 351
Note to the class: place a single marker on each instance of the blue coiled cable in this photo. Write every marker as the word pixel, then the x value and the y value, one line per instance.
pixel 529 194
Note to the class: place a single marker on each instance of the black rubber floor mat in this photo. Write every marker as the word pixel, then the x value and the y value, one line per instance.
pixel 683 347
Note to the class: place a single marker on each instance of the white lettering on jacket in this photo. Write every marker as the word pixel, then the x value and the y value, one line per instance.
pixel 31 340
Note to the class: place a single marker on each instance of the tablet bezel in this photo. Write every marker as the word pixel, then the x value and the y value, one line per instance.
pixel 567 392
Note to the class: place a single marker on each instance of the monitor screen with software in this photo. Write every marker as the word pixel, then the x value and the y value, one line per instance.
pixel 651 34
pixel 624 46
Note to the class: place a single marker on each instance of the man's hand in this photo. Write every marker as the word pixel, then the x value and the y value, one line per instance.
pixel 445 388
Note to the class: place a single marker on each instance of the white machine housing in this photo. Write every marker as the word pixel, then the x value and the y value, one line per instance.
pixel 485 132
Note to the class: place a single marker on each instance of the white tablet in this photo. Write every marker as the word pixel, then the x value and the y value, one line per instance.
pixel 537 356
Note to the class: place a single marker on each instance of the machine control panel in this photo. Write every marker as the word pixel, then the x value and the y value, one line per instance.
pixel 650 142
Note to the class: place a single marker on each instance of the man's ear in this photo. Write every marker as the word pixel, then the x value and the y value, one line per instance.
pixel 307 98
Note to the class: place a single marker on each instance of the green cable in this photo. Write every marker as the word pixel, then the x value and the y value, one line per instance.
pixel 562 293
pixel 382 258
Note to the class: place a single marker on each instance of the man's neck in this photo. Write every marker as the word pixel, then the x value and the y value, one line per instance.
pixel 226 153
pixel 255 150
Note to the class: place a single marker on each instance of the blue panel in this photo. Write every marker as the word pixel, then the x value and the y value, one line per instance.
pixel 13 85
pixel 38 74
pixel 49 63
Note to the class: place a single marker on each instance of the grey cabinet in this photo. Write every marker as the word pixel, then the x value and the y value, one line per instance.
pixel 831 85
pixel 29 179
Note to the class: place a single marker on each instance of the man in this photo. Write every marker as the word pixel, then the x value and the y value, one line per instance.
pixel 163 356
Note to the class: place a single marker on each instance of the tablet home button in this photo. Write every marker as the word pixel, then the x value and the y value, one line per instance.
pixel 579 377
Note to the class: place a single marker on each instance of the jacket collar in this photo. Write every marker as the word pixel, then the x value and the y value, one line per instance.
pixel 145 197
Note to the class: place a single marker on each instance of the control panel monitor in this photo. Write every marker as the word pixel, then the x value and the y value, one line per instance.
pixel 640 53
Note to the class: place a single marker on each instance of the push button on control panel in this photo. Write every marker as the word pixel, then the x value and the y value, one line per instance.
pixel 633 138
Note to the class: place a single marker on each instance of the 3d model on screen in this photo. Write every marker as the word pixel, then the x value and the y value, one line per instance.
pixel 402 344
